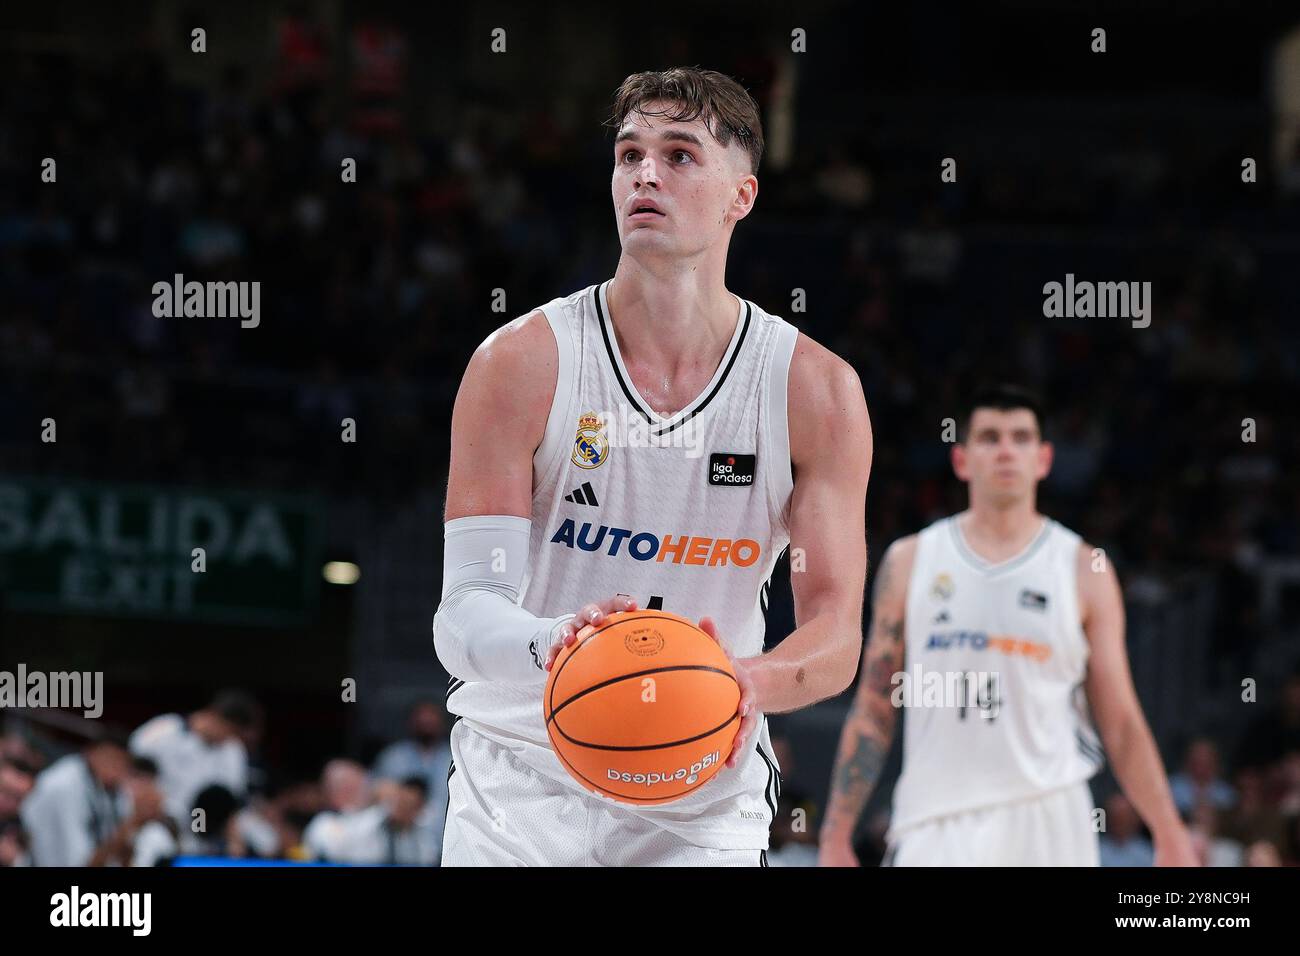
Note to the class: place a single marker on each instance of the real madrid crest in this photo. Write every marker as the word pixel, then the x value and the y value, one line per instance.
pixel 590 446
pixel 943 587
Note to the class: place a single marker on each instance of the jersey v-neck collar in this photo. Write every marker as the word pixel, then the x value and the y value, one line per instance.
pixel 990 567
pixel 660 424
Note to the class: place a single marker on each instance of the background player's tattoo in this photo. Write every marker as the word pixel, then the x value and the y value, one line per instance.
pixel 869 729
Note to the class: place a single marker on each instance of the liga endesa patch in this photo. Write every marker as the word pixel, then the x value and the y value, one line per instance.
pixel 727 469
pixel 688 774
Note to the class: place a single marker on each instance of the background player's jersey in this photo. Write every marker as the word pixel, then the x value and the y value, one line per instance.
pixel 1015 626
pixel 687 514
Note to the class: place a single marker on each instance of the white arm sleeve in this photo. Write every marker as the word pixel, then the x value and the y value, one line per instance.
pixel 480 631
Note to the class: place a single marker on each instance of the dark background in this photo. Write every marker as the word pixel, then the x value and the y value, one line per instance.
pixel 479 171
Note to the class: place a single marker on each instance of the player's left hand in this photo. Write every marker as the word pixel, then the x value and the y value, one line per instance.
pixel 1175 848
pixel 748 696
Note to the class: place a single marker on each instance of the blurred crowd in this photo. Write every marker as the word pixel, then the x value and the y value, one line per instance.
pixel 1244 814
pixel 189 786
pixel 374 293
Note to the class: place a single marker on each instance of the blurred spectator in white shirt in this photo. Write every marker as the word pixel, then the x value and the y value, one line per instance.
pixel 347 792
pixel 393 832
pixel 425 753
pixel 199 751
pixel 346 787
pixel 146 836
pixel 77 804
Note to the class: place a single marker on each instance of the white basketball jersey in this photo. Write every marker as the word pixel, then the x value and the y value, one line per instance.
pixel 687 514
pixel 995 658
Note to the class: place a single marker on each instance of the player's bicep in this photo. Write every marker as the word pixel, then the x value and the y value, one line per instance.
pixel 828 548
pixel 499 420
pixel 1109 682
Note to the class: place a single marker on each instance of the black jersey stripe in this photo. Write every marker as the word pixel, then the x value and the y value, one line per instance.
pixel 716 388
pixel 770 791
pixel 632 397
pixel 613 361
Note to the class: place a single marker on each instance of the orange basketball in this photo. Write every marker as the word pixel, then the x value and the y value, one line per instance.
pixel 642 708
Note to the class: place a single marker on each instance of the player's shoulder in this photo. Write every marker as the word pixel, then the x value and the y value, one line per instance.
pixel 824 397
pixel 1093 566
pixel 821 378
pixel 901 553
pixel 1087 557
pixel 894 575
pixel 66 771
pixel 157 730
pixel 514 369
pixel 525 341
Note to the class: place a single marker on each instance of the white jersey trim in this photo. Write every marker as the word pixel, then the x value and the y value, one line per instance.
pixel 986 567
pixel 557 437
pixel 780 483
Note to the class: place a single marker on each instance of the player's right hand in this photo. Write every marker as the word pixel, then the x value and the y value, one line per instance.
pixel 589 614
pixel 836 852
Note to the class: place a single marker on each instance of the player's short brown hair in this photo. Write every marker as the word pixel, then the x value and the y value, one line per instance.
pixel 729 112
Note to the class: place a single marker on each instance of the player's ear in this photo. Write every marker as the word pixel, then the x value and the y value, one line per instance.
pixel 1045 456
pixel 742 203
pixel 959 464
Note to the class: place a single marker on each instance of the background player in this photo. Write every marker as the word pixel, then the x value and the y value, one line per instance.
pixel 554 506
pixel 1003 592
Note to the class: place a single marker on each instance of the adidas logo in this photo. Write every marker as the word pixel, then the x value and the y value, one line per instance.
pixel 941 617
pixel 586 495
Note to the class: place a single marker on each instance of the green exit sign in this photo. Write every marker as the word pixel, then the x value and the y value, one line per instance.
pixel 129 550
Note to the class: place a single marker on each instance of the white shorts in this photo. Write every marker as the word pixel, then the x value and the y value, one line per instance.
pixel 1055 829
pixel 504 813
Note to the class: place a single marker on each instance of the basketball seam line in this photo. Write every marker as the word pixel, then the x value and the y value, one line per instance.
pixel 629 749
pixel 549 692
pixel 635 674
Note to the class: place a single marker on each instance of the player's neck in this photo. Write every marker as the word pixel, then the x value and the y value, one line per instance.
pixel 673 320
pixel 996 533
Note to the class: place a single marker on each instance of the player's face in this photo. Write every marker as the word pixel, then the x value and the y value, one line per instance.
pixel 111 765
pixel 221 730
pixel 701 188
pixel 1004 456
pixel 406 806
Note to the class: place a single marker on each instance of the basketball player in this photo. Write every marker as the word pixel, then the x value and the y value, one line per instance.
pixel 1026 623
pixel 649 441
